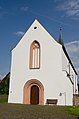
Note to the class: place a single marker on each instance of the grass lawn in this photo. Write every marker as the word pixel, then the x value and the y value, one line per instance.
pixel 3 98
pixel 74 110
pixel 20 111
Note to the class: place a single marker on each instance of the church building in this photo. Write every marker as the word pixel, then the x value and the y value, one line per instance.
pixel 41 70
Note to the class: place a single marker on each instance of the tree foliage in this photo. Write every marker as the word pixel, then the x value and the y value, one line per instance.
pixel 4 84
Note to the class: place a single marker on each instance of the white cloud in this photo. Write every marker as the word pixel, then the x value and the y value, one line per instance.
pixel 73 42
pixel 73 47
pixel 24 8
pixel 19 33
pixel 78 70
pixel 70 7
pixel 73 51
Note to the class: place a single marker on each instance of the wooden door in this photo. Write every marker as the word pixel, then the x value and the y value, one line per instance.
pixel 34 96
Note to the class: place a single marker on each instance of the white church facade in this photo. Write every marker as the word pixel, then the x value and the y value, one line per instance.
pixel 41 70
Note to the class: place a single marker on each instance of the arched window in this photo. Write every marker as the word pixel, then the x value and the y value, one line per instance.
pixel 35 55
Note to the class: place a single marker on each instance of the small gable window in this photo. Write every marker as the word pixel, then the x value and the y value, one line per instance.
pixel 35 55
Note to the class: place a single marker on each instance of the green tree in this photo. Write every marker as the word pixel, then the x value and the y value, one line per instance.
pixel 4 84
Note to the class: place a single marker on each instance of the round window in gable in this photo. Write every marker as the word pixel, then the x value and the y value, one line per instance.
pixel 35 27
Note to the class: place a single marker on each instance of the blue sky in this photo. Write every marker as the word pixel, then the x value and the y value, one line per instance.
pixel 17 15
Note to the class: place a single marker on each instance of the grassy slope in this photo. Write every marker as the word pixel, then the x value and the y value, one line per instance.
pixel 74 110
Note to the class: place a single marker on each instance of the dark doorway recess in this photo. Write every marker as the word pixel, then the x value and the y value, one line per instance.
pixel 34 96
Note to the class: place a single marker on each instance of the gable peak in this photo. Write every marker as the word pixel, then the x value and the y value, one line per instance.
pixel 36 22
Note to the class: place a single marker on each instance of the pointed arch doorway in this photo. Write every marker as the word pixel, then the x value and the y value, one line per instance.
pixel 33 92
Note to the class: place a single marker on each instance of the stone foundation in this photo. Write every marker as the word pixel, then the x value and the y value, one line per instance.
pixel 76 99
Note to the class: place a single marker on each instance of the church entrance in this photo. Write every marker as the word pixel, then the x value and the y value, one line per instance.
pixel 33 92
pixel 34 96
